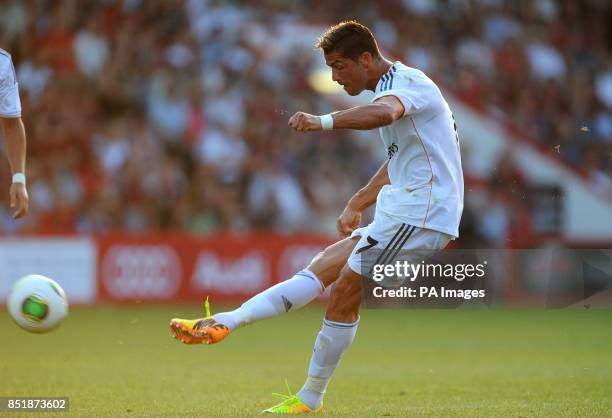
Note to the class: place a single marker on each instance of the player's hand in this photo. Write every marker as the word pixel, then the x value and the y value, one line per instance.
pixel 304 122
pixel 19 199
pixel 348 221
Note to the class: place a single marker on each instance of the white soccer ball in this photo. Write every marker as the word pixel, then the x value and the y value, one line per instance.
pixel 37 303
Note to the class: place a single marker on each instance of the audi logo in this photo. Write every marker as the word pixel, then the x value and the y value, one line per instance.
pixel 141 271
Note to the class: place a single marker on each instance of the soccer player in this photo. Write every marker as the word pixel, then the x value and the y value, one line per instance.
pixel 14 134
pixel 418 193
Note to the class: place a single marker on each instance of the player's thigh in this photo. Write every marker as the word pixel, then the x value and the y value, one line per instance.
pixel 345 298
pixel 328 263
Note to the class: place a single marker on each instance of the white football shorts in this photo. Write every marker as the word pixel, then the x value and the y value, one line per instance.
pixel 386 240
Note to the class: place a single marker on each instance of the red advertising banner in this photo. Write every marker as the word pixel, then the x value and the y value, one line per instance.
pixel 181 267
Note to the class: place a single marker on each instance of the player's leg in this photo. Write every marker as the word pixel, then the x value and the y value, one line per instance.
pixel 340 323
pixel 294 293
pixel 290 295
pixel 336 335
pixel 342 317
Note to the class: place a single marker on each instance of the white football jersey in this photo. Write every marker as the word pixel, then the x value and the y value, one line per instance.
pixel 424 166
pixel 10 105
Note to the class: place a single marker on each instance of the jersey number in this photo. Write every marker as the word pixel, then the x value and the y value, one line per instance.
pixel 372 243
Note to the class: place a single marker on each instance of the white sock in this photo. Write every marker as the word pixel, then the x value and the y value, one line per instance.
pixel 332 341
pixel 292 294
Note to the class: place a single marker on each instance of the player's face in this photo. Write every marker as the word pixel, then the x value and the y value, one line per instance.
pixel 349 74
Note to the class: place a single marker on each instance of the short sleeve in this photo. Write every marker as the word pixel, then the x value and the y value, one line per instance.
pixel 411 92
pixel 10 105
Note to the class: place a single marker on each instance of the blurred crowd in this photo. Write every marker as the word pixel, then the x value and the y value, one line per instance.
pixel 156 115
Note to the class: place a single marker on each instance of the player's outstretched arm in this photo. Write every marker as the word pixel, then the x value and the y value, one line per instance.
pixel 382 112
pixel 14 137
pixel 350 217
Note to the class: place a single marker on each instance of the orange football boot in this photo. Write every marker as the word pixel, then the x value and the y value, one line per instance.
pixel 199 331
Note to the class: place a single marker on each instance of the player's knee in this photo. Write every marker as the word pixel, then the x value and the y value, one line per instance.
pixel 317 258
pixel 326 265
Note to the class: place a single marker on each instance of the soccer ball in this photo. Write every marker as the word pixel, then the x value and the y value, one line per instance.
pixel 37 303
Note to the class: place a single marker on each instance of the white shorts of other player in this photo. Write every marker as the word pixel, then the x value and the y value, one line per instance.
pixel 386 240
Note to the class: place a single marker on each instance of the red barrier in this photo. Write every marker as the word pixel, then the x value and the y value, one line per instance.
pixel 181 267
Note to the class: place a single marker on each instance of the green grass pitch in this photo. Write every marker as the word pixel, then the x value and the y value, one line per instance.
pixel 121 361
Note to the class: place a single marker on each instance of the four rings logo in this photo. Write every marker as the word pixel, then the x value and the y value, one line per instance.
pixel 141 271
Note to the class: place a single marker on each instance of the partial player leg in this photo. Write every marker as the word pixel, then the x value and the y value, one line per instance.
pixel 336 335
pixel 342 317
pixel 286 296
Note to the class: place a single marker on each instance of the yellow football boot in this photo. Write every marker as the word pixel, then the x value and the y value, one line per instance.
pixel 291 404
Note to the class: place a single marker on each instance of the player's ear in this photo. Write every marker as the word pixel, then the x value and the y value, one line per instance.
pixel 365 59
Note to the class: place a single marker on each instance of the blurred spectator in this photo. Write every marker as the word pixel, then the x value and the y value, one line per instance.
pixel 91 48
pixel 13 20
pixel 34 75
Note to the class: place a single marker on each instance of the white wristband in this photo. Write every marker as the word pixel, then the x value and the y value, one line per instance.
pixel 327 122
pixel 19 178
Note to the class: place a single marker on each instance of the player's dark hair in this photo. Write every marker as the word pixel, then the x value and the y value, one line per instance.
pixel 349 39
